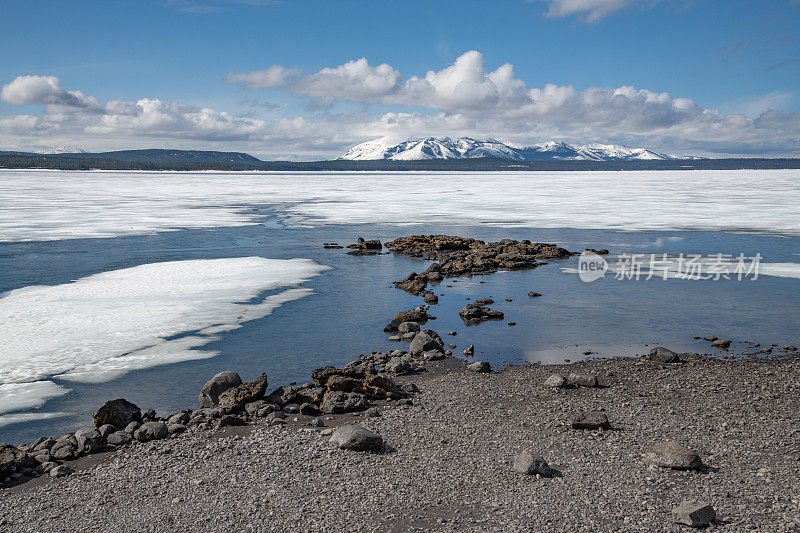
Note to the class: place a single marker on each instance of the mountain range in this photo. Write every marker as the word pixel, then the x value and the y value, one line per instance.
pixel 467 148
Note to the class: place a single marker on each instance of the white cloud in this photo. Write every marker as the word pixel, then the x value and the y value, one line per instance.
pixel 589 10
pixel 355 80
pixel 27 90
pixel 464 99
pixel 274 76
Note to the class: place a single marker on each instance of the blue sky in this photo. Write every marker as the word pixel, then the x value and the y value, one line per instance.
pixel 703 77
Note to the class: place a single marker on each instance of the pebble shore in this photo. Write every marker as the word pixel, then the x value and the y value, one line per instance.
pixel 448 459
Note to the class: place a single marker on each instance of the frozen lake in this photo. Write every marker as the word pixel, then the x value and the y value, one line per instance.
pixel 143 285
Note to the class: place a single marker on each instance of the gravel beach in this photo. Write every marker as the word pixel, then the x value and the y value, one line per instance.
pixel 448 459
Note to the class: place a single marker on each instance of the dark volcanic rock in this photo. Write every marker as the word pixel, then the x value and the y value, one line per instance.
pixel 534 294
pixel 236 398
pixel 119 413
pixel 362 244
pixel 151 431
pixel 475 313
pixel 430 298
pixel 457 255
pixel 413 283
pixel 209 395
pixel 480 367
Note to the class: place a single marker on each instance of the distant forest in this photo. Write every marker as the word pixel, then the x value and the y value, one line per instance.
pixel 188 160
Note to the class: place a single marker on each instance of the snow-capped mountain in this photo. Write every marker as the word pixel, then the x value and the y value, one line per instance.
pixel 466 148
pixel 62 150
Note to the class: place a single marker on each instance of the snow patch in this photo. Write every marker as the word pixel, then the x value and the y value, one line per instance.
pixel 102 326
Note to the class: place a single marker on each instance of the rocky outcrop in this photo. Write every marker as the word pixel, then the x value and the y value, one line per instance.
pixel 458 255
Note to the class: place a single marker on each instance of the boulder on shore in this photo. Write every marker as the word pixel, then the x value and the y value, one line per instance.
pixel 694 514
pixel 664 355
pixel 119 413
pixel 12 459
pixel 151 431
pixel 531 464
pixel 672 455
pixel 591 420
pixel 234 399
pixel 209 395
pixel 357 439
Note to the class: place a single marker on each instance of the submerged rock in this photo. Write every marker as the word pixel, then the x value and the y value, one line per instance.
pixel 475 313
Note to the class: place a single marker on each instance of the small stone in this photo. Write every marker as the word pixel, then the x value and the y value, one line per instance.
pixel 357 439
pixel 469 351
pixel 673 455
pixel 452 333
pixel 721 343
pixel 582 380
pixel 480 367
pixel 591 420
pixel 512 323
pixel 534 294
pixel 710 338
pixel 317 423
pixel 531 464
pixel 326 432
pixel 60 471
pixel 556 381
pixel 695 514
pixel 372 412
pixel 394 338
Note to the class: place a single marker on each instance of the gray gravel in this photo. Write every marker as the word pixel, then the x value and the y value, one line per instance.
pixel 449 455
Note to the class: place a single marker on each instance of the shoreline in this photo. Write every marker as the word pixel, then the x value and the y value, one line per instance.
pixel 738 415
pixel 396 390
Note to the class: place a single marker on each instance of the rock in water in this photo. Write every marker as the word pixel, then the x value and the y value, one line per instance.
pixel 119 413
pixel 695 514
pixel 663 355
pixel 534 294
pixel 407 327
pixel 209 395
pixel 722 343
pixel 480 367
pixel 431 299
pixel 531 464
pixel 591 420
pixel 673 455
pixel 151 431
pixel 357 439
pixel 234 399
pixel 556 381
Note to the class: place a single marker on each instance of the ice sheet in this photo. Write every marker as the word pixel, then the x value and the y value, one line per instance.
pixel 102 326
pixel 49 205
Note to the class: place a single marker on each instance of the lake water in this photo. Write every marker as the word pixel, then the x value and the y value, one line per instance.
pixel 182 275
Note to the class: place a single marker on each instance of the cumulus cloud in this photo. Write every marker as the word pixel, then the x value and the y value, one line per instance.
pixel 27 90
pixel 355 80
pixel 464 98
